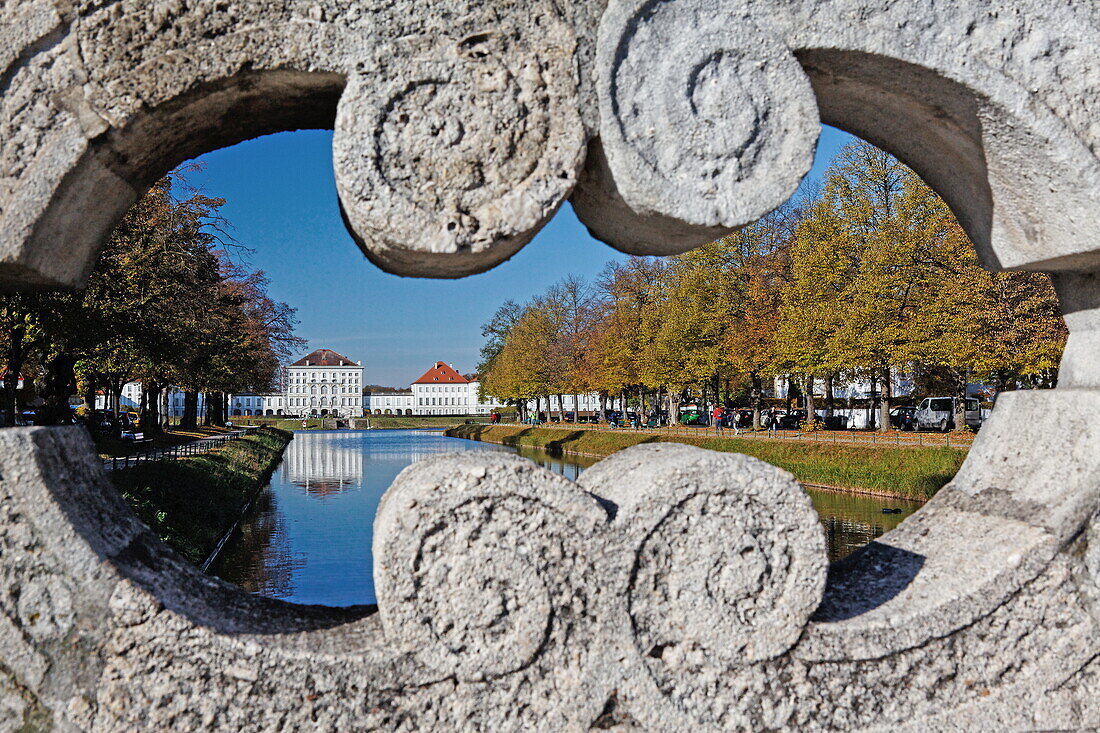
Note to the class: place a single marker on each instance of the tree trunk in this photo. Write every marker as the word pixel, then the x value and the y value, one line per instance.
pixel 960 400
pixel 10 409
pixel 15 358
pixel 143 405
pixel 757 398
pixel 884 403
pixel 190 418
pixel 151 399
pixel 810 407
pixel 871 404
pixel 115 383
pixel 60 384
pixel 829 395
pixel 214 410
pixel 89 393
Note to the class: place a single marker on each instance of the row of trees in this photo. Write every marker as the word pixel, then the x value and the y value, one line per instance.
pixel 869 278
pixel 167 303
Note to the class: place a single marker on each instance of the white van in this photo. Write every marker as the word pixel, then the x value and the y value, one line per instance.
pixel 938 413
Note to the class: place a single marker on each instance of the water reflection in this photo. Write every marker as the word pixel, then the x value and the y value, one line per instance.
pixel 851 521
pixel 260 559
pixel 328 463
pixel 313 542
pixel 308 539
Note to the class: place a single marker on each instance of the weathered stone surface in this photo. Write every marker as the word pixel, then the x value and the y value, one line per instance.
pixel 484 569
pixel 705 120
pixel 480 136
pixel 696 117
pixel 513 600
pixel 688 592
pixel 717 560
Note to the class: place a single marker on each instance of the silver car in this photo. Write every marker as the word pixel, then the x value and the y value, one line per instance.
pixel 938 413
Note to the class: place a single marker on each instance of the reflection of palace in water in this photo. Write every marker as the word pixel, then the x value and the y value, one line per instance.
pixel 324 464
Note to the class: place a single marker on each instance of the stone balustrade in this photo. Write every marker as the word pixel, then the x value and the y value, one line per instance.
pixel 672 588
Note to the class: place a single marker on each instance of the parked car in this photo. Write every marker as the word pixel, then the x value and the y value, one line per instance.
pixel 836 422
pixel 904 417
pixel 22 419
pixel 693 416
pixel 792 420
pixel 740 417
pixel 938 413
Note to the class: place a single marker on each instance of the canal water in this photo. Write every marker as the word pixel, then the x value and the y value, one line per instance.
pixel 308 537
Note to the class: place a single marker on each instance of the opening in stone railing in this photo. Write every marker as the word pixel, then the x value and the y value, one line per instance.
pixel 683 580
pixel 850 337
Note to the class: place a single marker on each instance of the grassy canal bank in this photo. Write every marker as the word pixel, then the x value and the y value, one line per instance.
pixel 192 502
pixel 908 472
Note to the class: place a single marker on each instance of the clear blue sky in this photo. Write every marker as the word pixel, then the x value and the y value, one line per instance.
pixel 281 201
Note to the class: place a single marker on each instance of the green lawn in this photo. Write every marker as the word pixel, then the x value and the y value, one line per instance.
pixel 191 502
pixel 109 446
pixel 909 472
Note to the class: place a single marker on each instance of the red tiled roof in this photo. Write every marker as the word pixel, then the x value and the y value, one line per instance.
pixel 324 358
pixel 441 374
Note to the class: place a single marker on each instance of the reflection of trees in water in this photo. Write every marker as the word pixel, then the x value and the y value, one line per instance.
pixel 844 536
pixel 259 558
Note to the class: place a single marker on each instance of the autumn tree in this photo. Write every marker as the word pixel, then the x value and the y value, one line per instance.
pixel 870 277
pixel 164 304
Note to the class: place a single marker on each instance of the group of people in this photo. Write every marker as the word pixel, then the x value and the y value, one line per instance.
pixel 721 419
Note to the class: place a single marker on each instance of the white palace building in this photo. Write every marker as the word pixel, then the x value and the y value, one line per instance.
pixel 440 391
pixel 325 383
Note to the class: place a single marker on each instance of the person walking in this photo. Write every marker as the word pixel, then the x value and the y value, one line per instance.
pixel 734 419
pixel 773 422
pixel 716 415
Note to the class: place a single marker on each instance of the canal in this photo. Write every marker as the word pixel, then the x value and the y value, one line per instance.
pixel 308 537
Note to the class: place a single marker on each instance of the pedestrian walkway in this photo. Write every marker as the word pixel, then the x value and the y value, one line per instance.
pixel 186 450
pixel 852 437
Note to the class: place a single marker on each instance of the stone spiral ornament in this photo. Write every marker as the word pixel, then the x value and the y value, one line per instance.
pixel 480 564
pixel 450 166
pixel 724 561
pixel 706 122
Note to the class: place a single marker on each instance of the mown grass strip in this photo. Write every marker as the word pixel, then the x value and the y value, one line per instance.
pixel 191 502
pixel 915 473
